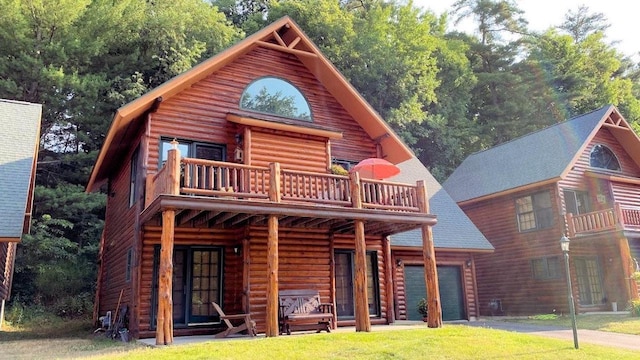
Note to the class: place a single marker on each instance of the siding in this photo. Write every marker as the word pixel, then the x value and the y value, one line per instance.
pixel 506 274
pixel 304 154
pixel 199 113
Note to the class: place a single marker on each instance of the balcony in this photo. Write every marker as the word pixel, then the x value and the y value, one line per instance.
pixel 213 193
pixel 619 218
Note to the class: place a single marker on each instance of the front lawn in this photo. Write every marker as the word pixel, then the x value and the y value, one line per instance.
pixel 619 323
pixel 449 342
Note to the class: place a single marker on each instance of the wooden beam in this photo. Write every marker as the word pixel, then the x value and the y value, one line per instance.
pixel 286 49
pixel 164 330
pixel 362 300
pixel 389 266
pixel 272 279
pixel 434 319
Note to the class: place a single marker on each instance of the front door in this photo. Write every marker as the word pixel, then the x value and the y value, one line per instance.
pixel 196 283
pixel 589 280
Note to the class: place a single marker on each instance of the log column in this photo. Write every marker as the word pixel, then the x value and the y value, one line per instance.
pixel 164 329
pixel 628 268
pixel 363 323
pixel 434 308
pixel 272 255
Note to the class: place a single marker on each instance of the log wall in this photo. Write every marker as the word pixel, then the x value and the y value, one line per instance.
pixel 199 113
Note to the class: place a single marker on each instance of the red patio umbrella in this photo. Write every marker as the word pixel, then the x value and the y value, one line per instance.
pixel 376 168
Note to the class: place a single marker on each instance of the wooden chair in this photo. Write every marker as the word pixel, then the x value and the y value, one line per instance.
pixel 247 324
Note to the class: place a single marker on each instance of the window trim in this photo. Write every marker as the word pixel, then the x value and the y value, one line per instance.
pixel 191 144
pixel 534 211
pixel 548 275
pixel 607 148
pixel 300 93
pixel 134 176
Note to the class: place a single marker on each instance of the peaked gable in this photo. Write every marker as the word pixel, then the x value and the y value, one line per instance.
pixel 541 156
pixel 454 229
pixel 19 140
pixel 282 35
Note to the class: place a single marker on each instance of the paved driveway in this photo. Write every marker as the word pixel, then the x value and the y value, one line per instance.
pixel 622 341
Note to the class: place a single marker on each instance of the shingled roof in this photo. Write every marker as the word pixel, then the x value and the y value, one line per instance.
pixel 454 229
pixel 542 155
pixel 19 138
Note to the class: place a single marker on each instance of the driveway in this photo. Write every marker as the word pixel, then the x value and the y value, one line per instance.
pixel 622 341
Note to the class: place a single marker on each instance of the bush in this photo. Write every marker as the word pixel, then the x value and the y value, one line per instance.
pixel 634 307
pixel 73 307
pixel 423 307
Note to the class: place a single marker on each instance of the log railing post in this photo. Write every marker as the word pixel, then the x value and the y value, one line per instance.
pixel 434 316
pixel 363 323
pixel 272 255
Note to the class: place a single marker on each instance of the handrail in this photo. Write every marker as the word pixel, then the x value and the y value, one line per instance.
pixel 230 180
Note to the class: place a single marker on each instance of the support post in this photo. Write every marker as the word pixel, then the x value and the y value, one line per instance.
pixel 389 275
pixel 164 328
pixel 363 323
pixel 272 256
pixel 434 307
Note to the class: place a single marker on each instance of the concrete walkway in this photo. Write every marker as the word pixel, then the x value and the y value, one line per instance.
pixel 605 338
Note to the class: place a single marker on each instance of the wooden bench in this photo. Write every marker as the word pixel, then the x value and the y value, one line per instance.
pixel 302 310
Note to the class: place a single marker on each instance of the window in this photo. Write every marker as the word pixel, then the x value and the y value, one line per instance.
pixel 576 202
pixel 534 211
pixel 345 280
pixel 129 265
pixel 546 268
pixel 275 96
pixel 603 158
pixel 133 178
pixel 192 149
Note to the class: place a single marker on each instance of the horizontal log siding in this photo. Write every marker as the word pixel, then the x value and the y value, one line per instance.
pixel 506 273
pixel 576 179
pixel 443 258
pixel 232 277
pixel 119 237
pixel 199 113
pixel 293 153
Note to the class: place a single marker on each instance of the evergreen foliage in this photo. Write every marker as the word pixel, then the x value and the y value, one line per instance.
pixel 447 94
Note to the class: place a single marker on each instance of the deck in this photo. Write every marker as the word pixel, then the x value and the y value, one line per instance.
pixel 619 218
pixel 213 193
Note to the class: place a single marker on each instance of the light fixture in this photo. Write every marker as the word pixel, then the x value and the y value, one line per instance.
pixel 399 263
pixel 564 245
pixel 468 263
pixel 237 249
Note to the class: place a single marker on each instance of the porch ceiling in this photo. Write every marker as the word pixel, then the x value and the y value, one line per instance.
pixel 234 213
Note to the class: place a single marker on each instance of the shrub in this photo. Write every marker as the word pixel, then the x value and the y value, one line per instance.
pixel 423 307
pixel 73 307
pixel 634 307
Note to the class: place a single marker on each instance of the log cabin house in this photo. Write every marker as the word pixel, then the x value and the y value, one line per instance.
pixel 579 178
pixel 220 189
pixel 19 139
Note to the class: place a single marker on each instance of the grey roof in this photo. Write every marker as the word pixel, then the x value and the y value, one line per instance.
pixel 454 230
pixel 19 137
pixel 539 156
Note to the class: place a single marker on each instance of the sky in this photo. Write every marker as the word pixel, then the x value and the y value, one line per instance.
pixel 542 14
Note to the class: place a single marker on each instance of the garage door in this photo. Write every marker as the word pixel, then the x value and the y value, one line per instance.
pixel 451 295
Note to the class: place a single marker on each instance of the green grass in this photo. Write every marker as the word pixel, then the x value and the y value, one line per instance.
pixel 620 323
pixel 54 338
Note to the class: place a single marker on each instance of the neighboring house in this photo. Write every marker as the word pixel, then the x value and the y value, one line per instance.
pixel 19 140
pixel 457 242
pixel 518 193
pixel 251 208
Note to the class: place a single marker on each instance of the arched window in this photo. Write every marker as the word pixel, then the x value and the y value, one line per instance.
pixel 275 96
pixel 603 158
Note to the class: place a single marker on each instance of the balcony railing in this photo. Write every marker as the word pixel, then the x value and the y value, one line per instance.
pixel 199 177
pixel 618 218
